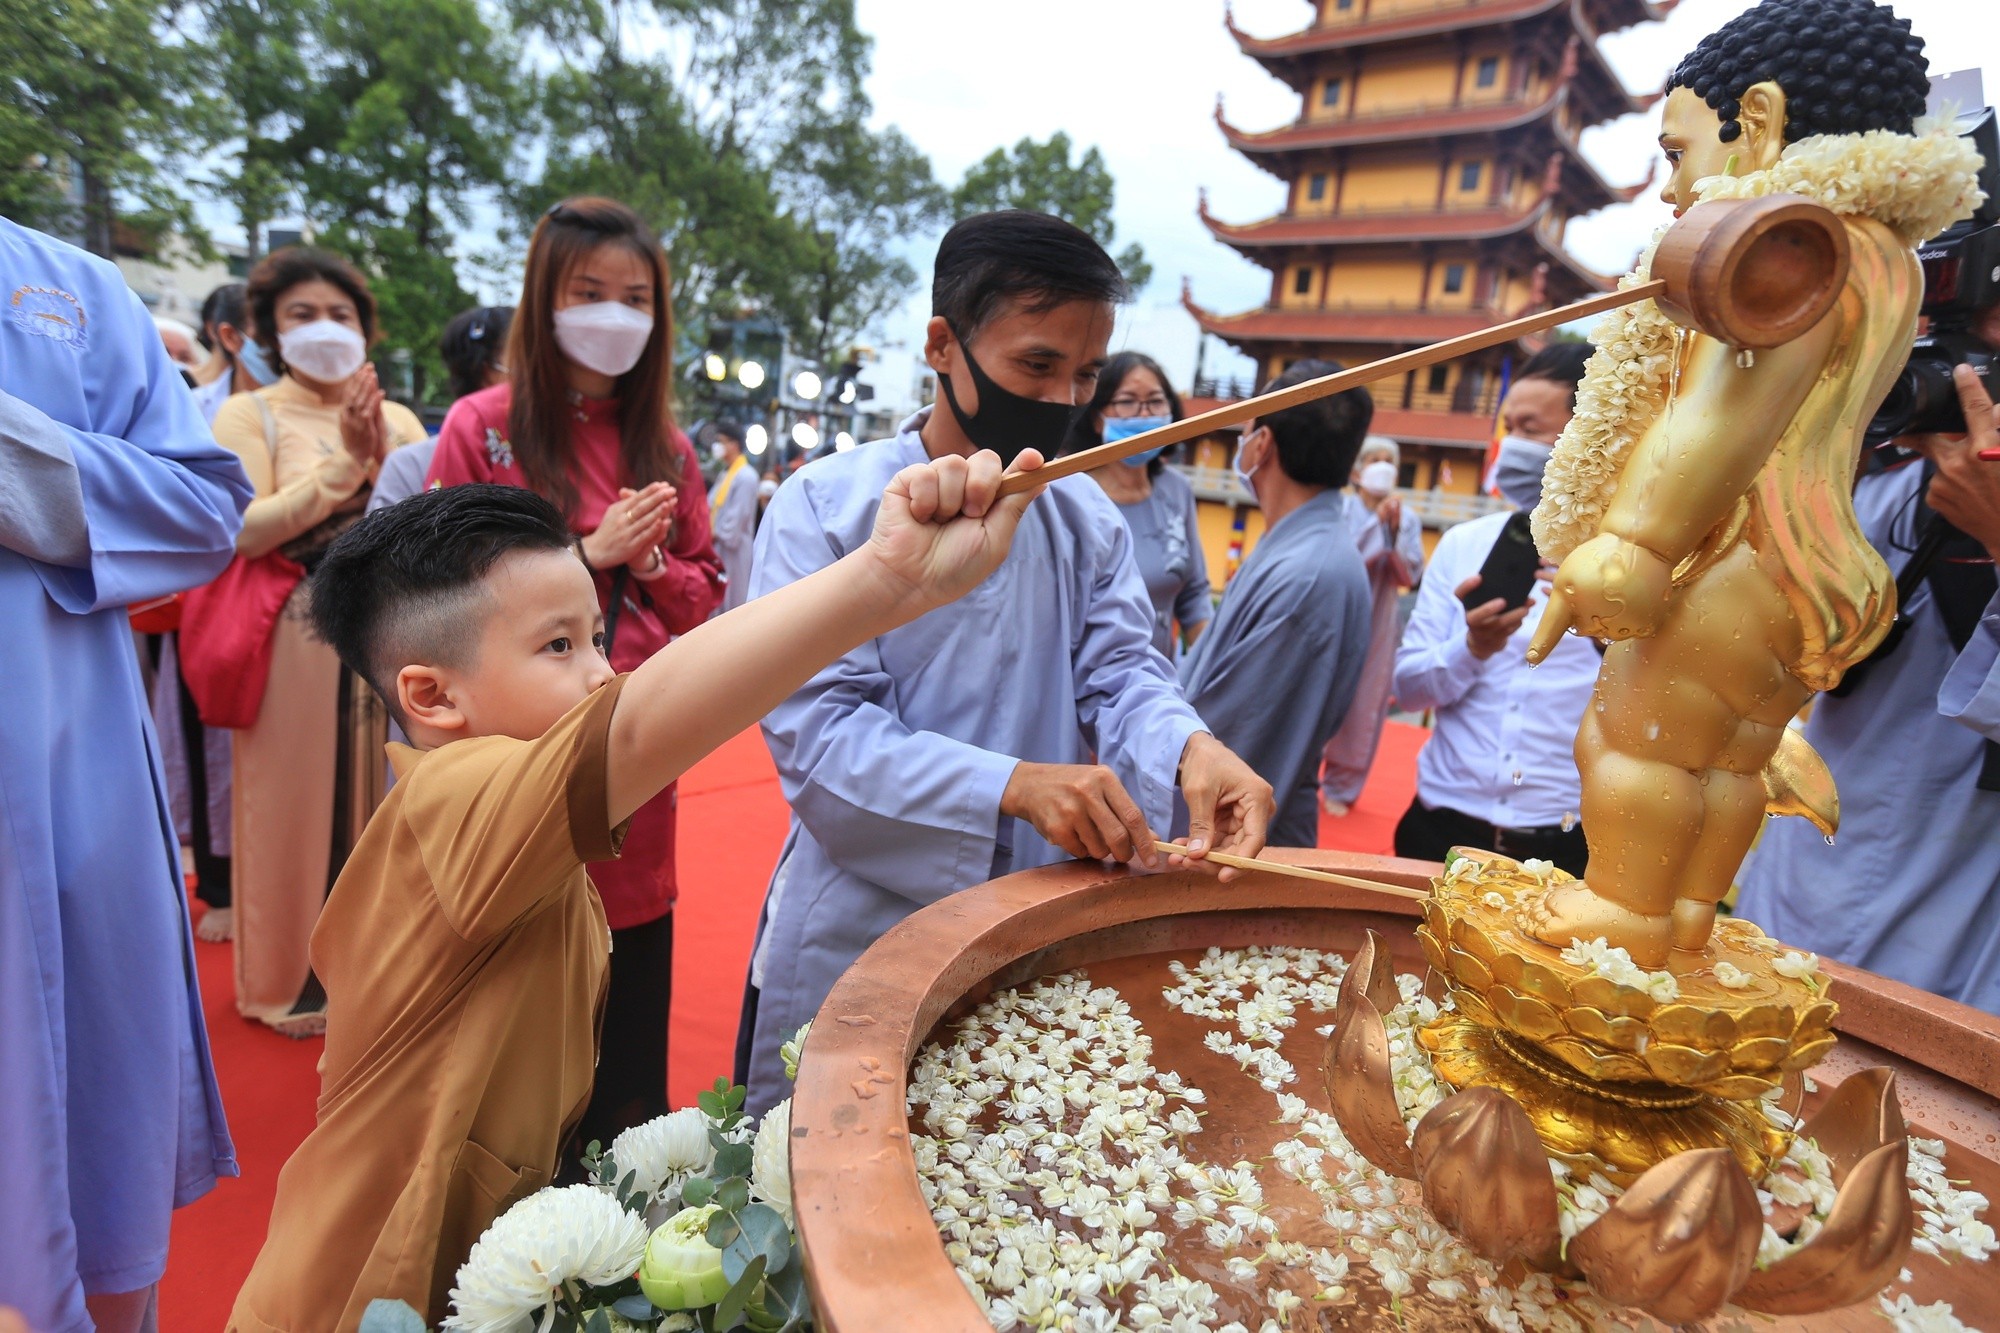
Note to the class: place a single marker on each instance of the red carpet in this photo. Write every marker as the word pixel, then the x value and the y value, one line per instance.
pixel 732 824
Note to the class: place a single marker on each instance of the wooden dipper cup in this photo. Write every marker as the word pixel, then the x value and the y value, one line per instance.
pixel 1751 272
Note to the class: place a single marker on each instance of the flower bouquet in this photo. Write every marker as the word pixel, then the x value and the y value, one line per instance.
pixel 686 1225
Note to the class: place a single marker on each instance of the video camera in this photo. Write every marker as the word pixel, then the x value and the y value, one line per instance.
pixel 1961 281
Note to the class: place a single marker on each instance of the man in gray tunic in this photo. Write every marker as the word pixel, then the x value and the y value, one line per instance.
pixel 1275 673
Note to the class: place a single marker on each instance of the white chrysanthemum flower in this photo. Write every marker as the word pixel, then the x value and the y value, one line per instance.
pixel 665 1153
pixel 771 1159
pixel 575 1234
pixel 1908 1317
pixel 789 1052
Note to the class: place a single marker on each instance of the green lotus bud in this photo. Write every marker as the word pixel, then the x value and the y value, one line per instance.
pixel 682 1271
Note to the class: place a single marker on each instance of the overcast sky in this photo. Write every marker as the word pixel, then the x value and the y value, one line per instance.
pixel 1139 79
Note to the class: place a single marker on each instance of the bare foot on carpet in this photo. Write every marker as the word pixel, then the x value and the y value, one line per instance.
pixel 217 925
pixel 300 1026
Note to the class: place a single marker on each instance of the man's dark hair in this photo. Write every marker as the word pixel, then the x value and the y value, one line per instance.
pixel 282 270
pixel 406 583
pixel 224 305
pixel 471 345
pixel 1319 441
pixel 729 428
pixel 1561 363
pixel 1016 255
pixel 1847 66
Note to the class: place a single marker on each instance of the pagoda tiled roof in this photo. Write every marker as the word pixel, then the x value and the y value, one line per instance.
pixel 1469 430
pixel 1289 57
pixel 1444 18
pixel 1390 127
pixel 1386 227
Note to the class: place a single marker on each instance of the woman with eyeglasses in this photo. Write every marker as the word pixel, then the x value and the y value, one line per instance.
pixel 1132 397
pixel 583 419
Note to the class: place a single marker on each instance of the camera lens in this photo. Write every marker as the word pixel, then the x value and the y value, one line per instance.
pixel 1922 401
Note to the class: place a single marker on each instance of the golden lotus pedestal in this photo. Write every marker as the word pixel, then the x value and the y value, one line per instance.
pixel 1615 1075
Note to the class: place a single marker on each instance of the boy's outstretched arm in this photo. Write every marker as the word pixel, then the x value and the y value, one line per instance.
pixel 940 531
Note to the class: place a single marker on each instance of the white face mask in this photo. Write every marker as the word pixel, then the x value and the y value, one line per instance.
pixel 323 350
pixel 605 336
pixel 1517 472
pixel 1242 474
pixel 1378 478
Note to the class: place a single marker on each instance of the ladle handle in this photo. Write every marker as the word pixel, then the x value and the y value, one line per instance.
pixel 1297 872
pixel 1232 414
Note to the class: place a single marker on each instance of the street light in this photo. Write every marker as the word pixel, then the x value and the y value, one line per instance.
pixel 805 437
pixel 715 367
pixel 807 385
pixel 751 374
pixel 843 442
pixel 756 439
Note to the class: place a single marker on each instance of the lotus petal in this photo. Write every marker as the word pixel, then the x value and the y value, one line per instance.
pixel 1361 1088
pixel 1857 1253
pixel 1679 1242
pixel 1485 1175
pixel 1862 1114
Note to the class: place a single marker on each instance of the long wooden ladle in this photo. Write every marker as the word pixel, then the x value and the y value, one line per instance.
pixel 1751 272
pixel 1297 872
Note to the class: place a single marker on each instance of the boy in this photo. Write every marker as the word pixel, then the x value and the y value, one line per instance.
pixel 463 949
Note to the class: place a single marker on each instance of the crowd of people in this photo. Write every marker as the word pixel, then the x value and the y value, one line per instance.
pixel 952 687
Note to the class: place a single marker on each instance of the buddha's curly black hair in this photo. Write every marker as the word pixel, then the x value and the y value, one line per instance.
pixel 1847 66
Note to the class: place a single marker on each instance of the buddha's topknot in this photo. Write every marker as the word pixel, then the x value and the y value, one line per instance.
pixel 1847 66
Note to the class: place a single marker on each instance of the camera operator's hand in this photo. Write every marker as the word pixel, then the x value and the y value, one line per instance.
pixel 1966 491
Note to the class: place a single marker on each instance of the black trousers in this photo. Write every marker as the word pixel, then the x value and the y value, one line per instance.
pixel 211 872
pixel 1426 834
pixel 631 1083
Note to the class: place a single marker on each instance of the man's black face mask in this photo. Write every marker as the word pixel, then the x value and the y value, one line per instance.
pixel 1006 422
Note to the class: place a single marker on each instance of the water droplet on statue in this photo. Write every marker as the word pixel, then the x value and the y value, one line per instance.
pixel 1745 358
pixel 1517 777
pixel 1569 820
pixel 1600 705
pixel 1652 731
pixel 1829 840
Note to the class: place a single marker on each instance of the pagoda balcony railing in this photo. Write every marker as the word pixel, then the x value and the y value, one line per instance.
pixel 1407 208
pixel 1228 390
pixel 1436 509
pixel 1407 13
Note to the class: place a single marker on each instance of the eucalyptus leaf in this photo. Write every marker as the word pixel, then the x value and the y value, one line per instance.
pixel 711 1105
pixel 722 1230
pixel 635 1308
pixel 733 1194
pixel 698 1191
pixel 736 1257
pixel 732 1161
pixel 391 1317
pixel 600 1321
pixel 729 1309
pixel 765 1231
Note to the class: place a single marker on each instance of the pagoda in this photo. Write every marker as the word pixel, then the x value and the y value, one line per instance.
pixel 1429 179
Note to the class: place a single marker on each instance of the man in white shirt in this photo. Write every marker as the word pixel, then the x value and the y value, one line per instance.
pixel 1499 770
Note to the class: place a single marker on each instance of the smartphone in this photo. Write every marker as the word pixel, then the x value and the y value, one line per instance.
pixel 1509 571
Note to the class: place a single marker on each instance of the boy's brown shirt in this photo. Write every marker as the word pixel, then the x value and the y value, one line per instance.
pixel 464 955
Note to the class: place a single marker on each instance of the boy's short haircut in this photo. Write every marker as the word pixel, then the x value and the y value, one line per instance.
pixel 1318 442
pixel 1017 255
pixel 406 584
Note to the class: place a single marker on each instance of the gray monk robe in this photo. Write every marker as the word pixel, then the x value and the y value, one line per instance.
pixel 1277 669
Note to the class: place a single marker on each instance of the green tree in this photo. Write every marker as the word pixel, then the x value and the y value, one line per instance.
pixel 410 123
pixel 1042 177
pixel 261 54
pixel 737 128
pixel 857 194
pixel 100 101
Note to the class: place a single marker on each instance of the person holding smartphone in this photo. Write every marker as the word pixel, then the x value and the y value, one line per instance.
pixel 1499 770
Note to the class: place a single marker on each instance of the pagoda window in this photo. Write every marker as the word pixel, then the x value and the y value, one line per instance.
pixel 1468 176
pixel 1440 379
pixel 1329 93
pixel 1488 75
pixel 1302 281
pixel 1316 186
pixel 1454 278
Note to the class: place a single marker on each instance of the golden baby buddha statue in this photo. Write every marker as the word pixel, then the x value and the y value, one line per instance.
pixel 1700 503
pixel 1700 506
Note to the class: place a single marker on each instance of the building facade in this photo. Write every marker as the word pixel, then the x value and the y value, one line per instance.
pixel 1430 177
